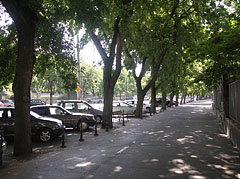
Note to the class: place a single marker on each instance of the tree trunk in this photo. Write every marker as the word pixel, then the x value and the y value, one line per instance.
pixel 225 97
pixel 171 99
pixel 140 98
pixel 25 20
pixel 153 98
pixel 109 75
pixel 164 97
pixel 177 97
pixel 108 98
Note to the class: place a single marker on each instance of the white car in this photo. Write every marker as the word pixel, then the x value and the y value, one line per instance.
pixel 123 107
pixel 146 106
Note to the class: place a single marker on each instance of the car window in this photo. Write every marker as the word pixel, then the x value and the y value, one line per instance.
pixel 69 106
pixel 125 105
pixel 82 106
pixel 41 111
pixel 116 104
pixel 34 114
pixel 56 111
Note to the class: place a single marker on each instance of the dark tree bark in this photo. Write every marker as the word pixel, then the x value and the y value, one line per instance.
pixel 25 20
pixel 177 97
pixel 153 98
pixel 171 98
pixel 164 97
pixel 142 92
pixel 109 75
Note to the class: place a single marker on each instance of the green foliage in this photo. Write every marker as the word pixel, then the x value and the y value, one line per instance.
pixel 61 70
pixel 8 53
pixel 92 78
pixel 53 46
pixel 219 53
pixel 126 85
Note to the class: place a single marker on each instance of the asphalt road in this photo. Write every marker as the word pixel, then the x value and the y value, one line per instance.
pixel 182 142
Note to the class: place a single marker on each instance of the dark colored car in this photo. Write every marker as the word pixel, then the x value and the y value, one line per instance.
pixel 82 107
pixel 69 119
pixel 2 141
pixel 159 102
pixel 44 128
pixel 34 102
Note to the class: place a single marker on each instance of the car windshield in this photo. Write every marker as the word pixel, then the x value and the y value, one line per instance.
pixel 35 114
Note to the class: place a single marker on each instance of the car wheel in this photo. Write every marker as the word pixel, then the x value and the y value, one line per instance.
pixel 85 125
pixel 45 135
pixel 148 109
pixel 98 119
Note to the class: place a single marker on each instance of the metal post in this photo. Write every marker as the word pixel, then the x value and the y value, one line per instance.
pixel 96 134
pixel 63 140
pixel 81 132
pixel 123 119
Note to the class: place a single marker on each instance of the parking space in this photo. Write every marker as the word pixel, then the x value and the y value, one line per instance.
pixel 70 138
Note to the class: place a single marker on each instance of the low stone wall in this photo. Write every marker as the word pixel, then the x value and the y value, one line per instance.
pixel 231 128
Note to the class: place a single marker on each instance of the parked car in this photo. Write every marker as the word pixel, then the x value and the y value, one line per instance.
pixel 2 140
pixel 121 106
pixel 34 102
pixel 82 107
pixel 146 107
pixel 159 102
pixel 96 100
pixel 69 119
pixel 7 103
pixel 44 128
pixel 4 144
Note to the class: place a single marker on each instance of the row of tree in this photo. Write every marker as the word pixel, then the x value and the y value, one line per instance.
pixel 177 44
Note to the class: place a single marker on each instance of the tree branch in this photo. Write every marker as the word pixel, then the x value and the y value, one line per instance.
pixel 118 59
pixel 114 39
pixel 98 46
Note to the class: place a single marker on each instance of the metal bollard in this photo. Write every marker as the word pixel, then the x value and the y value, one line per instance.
pixel 81 133
pixel 96 134
pixel 63 140
pixel 123 124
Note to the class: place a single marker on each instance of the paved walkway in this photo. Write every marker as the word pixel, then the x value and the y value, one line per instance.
pixel 182 142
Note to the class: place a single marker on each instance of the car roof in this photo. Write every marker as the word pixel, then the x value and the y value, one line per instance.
pixel 45 105
pixel 7 107
pixel 72 100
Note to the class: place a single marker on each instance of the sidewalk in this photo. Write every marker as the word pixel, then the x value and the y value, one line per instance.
pixel 182 142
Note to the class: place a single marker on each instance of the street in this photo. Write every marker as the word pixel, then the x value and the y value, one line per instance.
pixel 181 142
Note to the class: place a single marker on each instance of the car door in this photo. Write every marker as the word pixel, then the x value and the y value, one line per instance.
pixel 128 109
pixel 59 113
pixel 7 121
pixel 84 108
pixel 70 106
pixel 116 107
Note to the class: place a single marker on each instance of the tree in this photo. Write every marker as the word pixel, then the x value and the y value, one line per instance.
pixel 159 27
pixel 219 51
pixel 103 24
pixel 31 19
pixel 25 19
